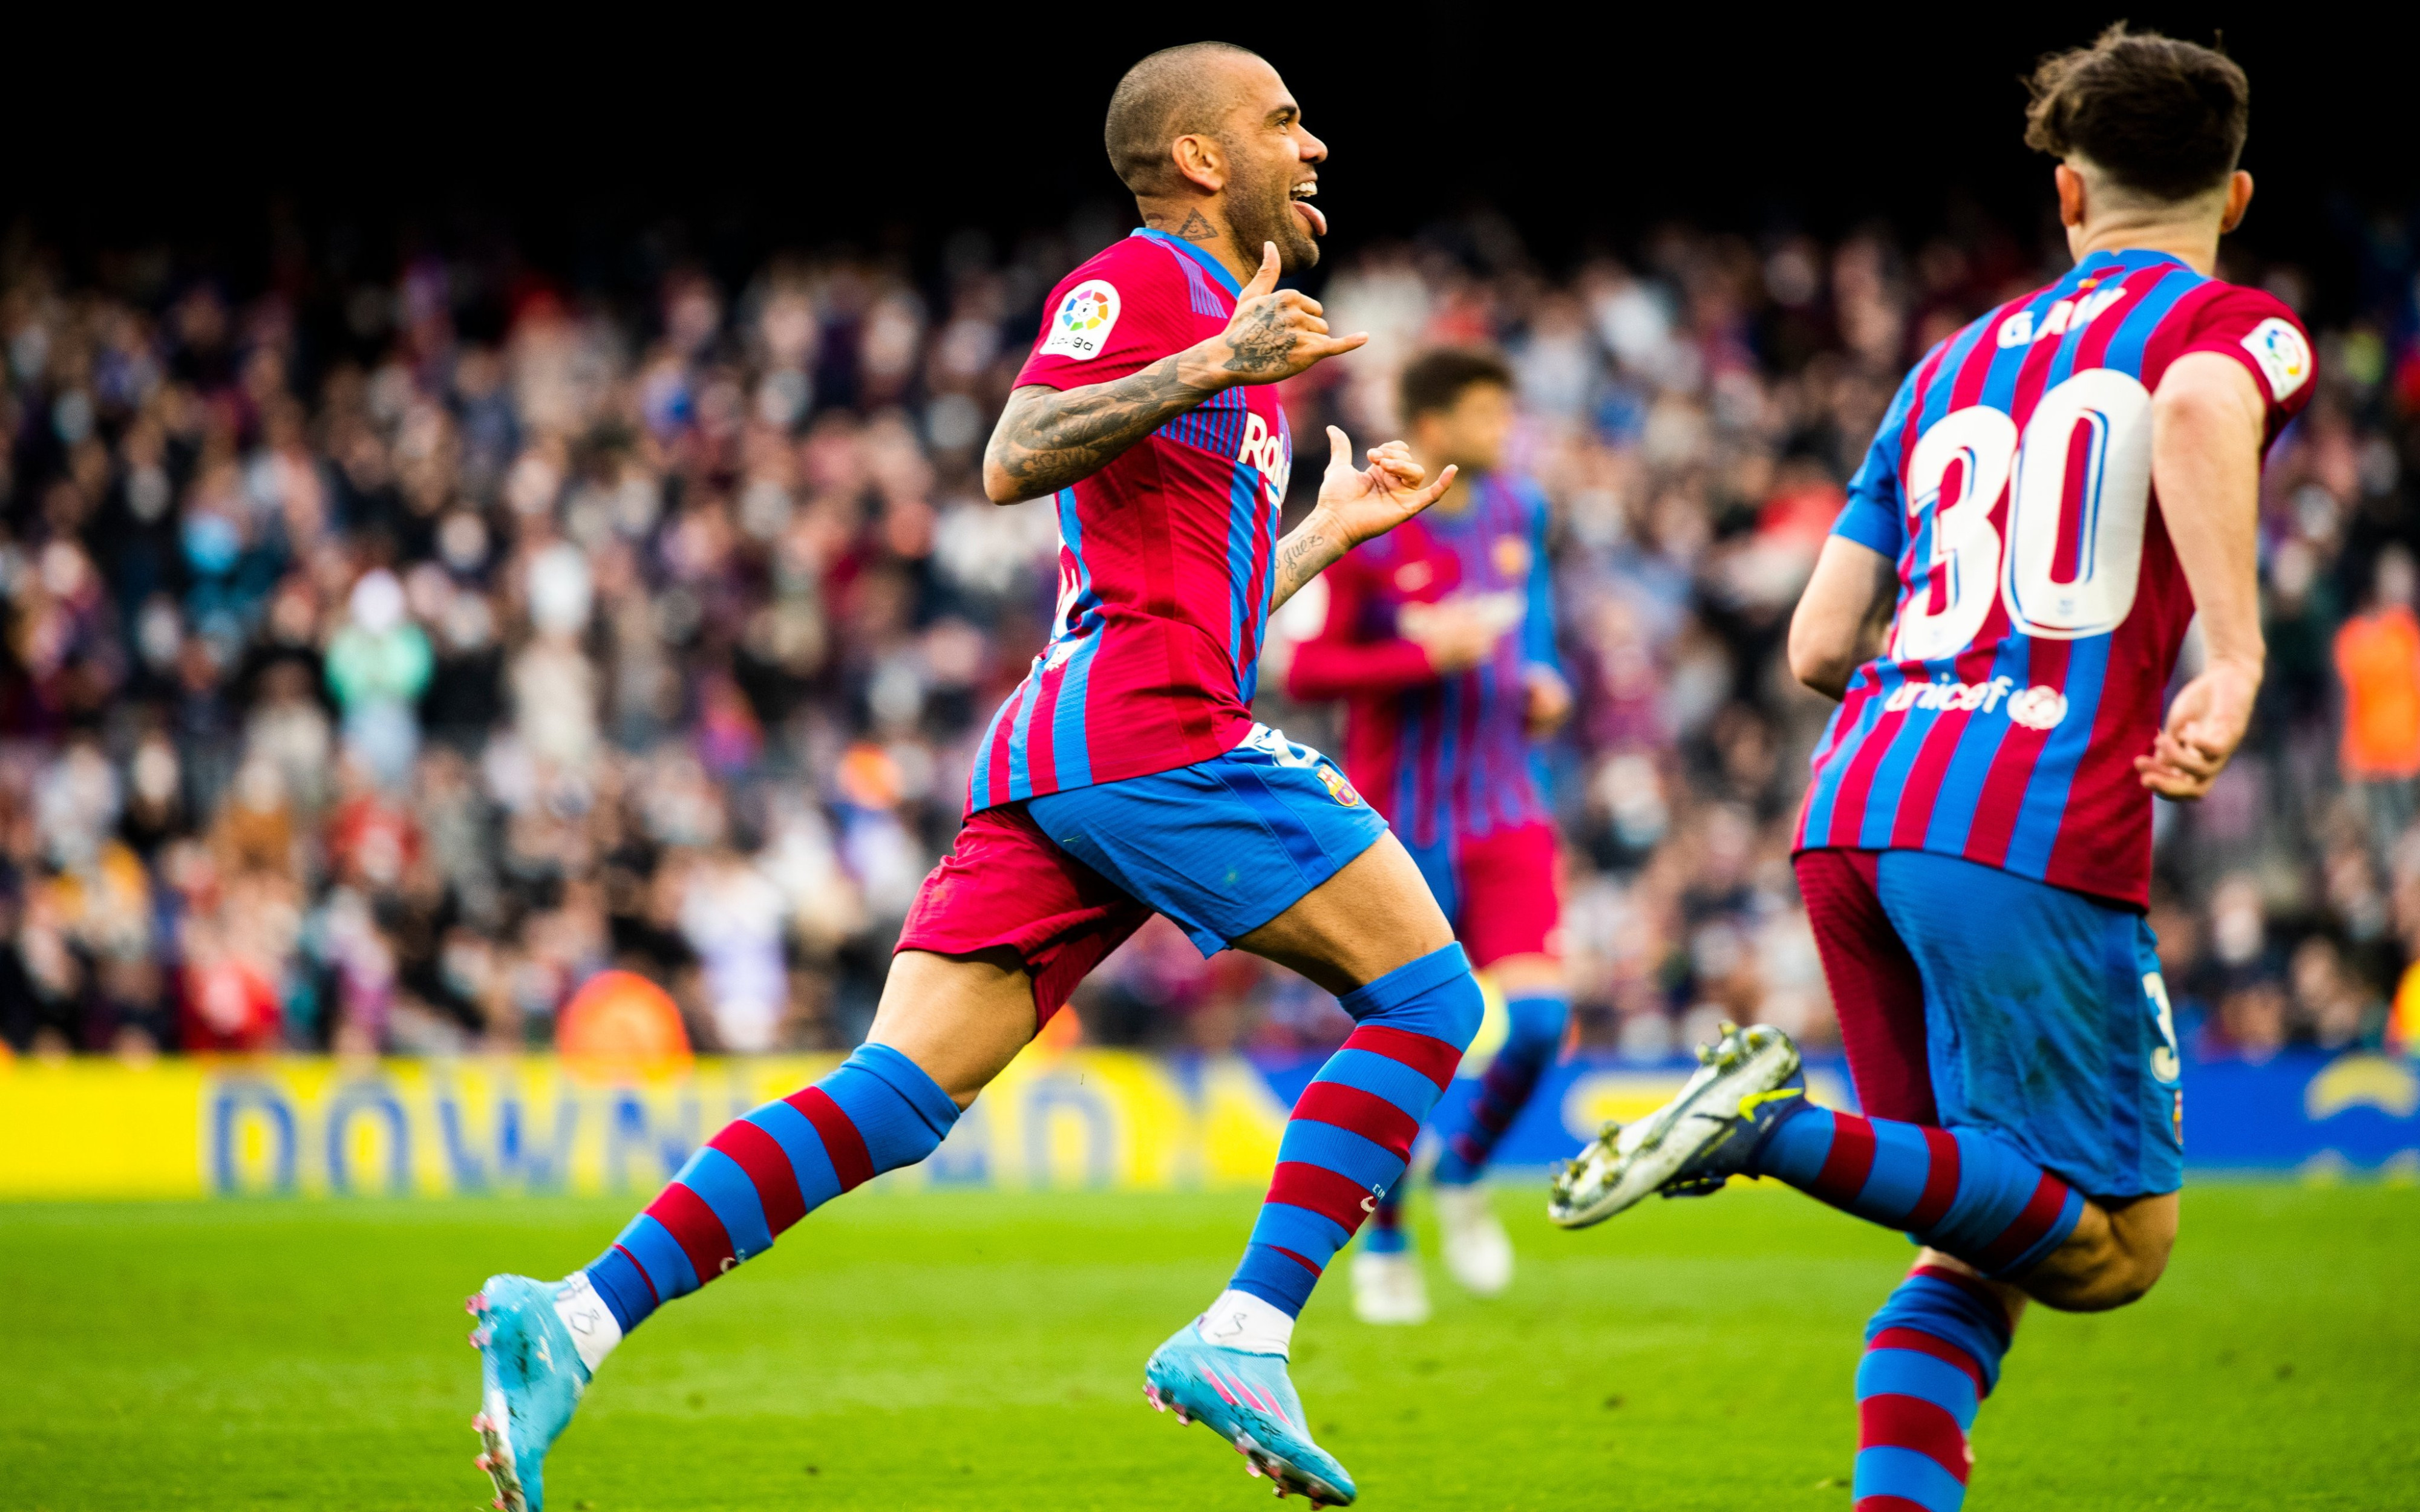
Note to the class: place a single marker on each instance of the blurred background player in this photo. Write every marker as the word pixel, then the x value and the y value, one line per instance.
pixel 1111 777
pixel 1976 846
pixel 1440 635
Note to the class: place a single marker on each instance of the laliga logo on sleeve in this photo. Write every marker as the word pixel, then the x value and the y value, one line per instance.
pixel 2283 355
pixel 1081 327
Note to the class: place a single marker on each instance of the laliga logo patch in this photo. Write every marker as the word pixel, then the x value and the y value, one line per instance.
pixel 1337 788
pixel 1080 328
pixel 2038 707
pixel 2283 355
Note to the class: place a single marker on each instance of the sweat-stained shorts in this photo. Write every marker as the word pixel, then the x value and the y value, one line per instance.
pixel 1971 998
pixel 1498 890
pixel 1221 847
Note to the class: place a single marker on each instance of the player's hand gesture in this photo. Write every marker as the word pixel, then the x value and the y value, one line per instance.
pixel 2205 725
pixel 1366 502
pixel 1274 334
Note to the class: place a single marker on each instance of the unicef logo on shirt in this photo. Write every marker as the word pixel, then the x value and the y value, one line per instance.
pixel 1080 329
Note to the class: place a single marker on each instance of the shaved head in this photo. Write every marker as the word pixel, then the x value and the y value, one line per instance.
pixel 1177 91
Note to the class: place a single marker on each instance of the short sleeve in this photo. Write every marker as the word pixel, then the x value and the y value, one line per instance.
pixel 1115 316
pixel 1876 514
pixel 2256 329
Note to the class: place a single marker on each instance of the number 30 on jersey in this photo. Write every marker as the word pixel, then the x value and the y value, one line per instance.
pixel 2084 453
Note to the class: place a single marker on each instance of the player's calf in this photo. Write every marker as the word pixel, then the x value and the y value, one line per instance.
pixel 1343 1148
pixel 1932 1354
pixel 881 1109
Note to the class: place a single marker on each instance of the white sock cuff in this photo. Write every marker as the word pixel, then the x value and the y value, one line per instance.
pixel 1240 1321
pixel 593 1330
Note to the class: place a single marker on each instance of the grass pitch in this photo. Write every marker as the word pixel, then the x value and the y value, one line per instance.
pixel 985 1352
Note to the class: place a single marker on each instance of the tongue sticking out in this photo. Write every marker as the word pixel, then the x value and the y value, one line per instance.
pixel 1310 214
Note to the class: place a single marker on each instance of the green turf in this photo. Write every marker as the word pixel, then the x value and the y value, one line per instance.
pixel 976 1351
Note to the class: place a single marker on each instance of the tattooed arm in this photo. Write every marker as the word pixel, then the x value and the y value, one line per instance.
pixel 1354 505
pixel 1049 438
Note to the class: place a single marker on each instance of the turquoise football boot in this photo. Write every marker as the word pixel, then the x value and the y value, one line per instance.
pixel 1246 1400
pixel 531 1378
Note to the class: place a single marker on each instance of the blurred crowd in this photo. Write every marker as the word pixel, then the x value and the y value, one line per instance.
pixel 391 647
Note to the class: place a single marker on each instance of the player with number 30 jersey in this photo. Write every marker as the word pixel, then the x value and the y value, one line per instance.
pixel 2055 493
pixel 2040 606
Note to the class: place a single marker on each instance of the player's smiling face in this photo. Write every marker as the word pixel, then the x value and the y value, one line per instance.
pixel 1273 170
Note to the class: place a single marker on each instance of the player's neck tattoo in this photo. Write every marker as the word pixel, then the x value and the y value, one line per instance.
pixel 1197 227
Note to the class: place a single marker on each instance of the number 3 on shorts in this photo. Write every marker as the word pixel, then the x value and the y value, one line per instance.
pixel 2164 1060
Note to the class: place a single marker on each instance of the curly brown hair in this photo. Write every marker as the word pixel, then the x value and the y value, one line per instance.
pixel 2165 118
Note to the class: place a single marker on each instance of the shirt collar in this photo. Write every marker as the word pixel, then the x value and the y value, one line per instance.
pixel 1211 265
pixel 2130 258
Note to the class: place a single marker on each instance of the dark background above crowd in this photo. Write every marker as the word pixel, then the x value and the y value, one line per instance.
pixel 740 136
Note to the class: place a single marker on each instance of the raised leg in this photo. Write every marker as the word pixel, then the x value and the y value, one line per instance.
pixel 1372 934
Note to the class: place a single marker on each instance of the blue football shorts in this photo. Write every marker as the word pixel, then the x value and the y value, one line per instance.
pixel 1222 846
pixel 1971 997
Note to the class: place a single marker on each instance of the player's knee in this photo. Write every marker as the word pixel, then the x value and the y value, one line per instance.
pixel 1434 995
pixel 1461 1005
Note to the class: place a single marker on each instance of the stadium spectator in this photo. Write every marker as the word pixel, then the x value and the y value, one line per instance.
pixel 2378 658
pixel 387 654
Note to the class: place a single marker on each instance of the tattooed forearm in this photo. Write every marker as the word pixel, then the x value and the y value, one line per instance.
pixel 1049 438
pixel 1304 554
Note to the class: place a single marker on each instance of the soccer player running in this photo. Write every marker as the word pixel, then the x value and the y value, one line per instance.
pixel 2056 491
pixel 1441 636
pixel 1123 776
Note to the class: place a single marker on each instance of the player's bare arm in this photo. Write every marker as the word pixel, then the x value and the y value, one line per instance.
pixel 1355 504
pixel 2206 429
pixel 1049 437
pixel 1843 617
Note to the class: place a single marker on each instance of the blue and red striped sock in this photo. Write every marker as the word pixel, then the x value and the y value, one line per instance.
pixel 876 1112
pixel 1932 1354
pixel 1963 1191
pixel 1471 1131
pixel 1353 1127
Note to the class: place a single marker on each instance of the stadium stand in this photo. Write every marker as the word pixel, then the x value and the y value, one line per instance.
pixel 389 654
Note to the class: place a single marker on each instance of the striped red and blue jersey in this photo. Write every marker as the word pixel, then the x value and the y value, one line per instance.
pixel 1440 757
pixel 2040 604
pixel 1165 554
